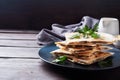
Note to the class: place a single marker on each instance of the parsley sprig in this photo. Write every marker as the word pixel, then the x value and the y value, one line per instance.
pixel 105 63
pixel 60 59
pixel 86 31
pixel 75 36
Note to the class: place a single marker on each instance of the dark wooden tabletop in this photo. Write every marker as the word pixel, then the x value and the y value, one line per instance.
pixel 19 60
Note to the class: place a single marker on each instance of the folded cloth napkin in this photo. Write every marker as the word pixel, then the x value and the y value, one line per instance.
pixel 46 36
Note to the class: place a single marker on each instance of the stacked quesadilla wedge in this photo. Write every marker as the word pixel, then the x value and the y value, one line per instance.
pixel 83 51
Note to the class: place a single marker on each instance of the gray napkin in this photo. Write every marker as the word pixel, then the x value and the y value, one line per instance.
pixel 46 36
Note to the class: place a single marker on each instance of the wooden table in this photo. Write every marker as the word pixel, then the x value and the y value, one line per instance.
pixel 19 60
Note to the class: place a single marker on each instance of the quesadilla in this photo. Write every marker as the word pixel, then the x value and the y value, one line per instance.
pixel 84 51
pixel 83 58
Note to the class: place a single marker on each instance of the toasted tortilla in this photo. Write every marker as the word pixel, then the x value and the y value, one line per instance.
pixel 99 56
pixel 102 37
pixel 83 58
pixel 84 51
pixel 77 44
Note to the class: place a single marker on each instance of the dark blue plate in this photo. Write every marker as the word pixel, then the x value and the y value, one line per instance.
pixel 112 62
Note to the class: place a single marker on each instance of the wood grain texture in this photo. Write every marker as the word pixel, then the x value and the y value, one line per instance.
pixel 19 52
pixel 24 69
pixel 19 59
pixel 21 36
pixel 19 31
pixel 19 43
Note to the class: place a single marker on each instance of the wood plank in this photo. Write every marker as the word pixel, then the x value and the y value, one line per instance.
pixel 19 52
pixel 20 31
pixel 19 43
pixel 4 36
pixel 24 69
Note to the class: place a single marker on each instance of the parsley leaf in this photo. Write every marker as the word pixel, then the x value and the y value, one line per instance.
pixel 86 28
pixel 60 59
pixel 95 35
pixel 95 28
pixel 75 36
pixel 86 31
pixel 105 63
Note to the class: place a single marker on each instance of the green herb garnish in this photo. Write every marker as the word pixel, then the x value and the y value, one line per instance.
pixel 75 36
pixel 95 27
pixel 60 59
pixel 86 31
pixel 95 35
pixel 105 63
